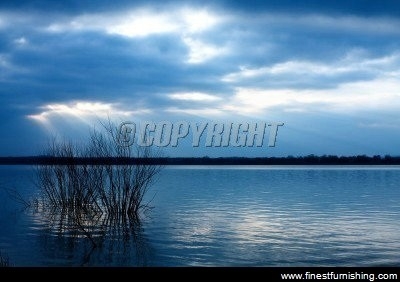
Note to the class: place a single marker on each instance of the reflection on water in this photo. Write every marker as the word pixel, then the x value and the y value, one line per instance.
pixel 221 216
pixel 89 239
pixel 280 216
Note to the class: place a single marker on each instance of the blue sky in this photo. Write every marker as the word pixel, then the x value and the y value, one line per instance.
pixel 330 70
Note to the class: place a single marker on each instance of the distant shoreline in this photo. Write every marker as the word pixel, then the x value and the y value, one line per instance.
pixel 290 160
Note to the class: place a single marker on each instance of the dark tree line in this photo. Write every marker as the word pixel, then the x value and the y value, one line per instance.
pixel 289 160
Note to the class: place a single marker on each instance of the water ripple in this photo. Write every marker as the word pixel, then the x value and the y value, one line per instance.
pixel 228 216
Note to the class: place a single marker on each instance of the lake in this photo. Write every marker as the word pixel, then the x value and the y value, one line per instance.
pixel 221 216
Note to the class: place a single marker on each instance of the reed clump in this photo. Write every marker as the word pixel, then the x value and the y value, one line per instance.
pixel 93 188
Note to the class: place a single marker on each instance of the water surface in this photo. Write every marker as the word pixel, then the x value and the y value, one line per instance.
pixel 223 216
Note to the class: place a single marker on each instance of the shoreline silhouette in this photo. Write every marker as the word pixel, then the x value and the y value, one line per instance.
pixel 289 160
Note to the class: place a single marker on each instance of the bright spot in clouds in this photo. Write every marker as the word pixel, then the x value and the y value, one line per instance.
pixel 187 23
pixel 140 23
pixel 194 96
pixel 83 110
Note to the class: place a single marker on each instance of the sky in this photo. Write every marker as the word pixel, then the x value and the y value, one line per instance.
pixel 328 70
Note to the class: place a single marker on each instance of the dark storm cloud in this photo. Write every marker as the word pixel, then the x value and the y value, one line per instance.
pixel 355 7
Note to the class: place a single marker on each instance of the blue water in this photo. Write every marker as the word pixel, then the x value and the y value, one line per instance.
pixel 223 216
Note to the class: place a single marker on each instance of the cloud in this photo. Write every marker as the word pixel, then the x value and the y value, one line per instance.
pixel 21 41
pixel 324 22
pixel 200 52
pixel 336 8
pixel 187 23
pixel 13 19
pixel 208 112
pixel 83 110
pixel 4 62
pixel 141 22
pixel 194 96
pixel 352 65
pixel 8 68
pixel 352 23
pixel 376 95
pixel 200 20
pixel 395 125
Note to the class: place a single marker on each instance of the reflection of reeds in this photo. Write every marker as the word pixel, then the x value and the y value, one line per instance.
pixel 4 261
pixel 112 239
